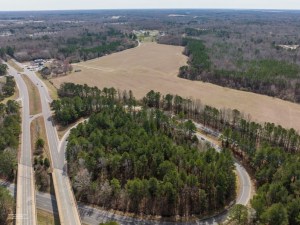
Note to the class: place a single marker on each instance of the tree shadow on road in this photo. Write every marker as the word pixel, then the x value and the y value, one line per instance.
pixel 54 203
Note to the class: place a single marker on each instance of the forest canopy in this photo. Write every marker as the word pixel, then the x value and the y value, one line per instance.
pixel 3 69
pixel 6 205
pixel 10 130
pixel 142 161
pixel 270 152
pixel 277 78
pixel 149 161
pixel 7 88
pixel 142 157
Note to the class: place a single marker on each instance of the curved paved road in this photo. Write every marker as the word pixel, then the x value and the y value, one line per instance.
pixel 94 216
pixel 245 183
pixel 91 215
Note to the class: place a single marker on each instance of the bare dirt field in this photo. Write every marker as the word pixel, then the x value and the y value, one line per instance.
pixel 155 67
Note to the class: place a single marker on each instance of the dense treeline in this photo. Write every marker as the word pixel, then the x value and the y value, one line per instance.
pixel 199 32
pixel 250 51
pixel 271 152
pixel 91 45
pixel 8 50
pixel 101 50
pixel 72 106
pixel 278 172
pixel 196 32
pixel 234 124
pixel 78 101
pixel 133 159
pixel 74 46
pixel 199 61
pixel 3 69
pixel 10 130
pixel 6 205
pixel 144 161
pixel 8 88
pixel 271 77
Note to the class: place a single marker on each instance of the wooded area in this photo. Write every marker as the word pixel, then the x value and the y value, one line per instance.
pixel 246 50
pixel 91 45
pixel 63 41
pixel 264 76
pixel 6 205
pixel 10 130
pixel 145 161
pixel 270 151
pixel 7 89
pixel 3 69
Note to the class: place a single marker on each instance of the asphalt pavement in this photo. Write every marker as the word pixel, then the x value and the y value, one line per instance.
pixel 25 204
pixel 94 216
pixel 245 183
pixel 68 212
pixel 67 206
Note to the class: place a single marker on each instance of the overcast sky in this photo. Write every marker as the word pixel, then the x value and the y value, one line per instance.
pixel 15 5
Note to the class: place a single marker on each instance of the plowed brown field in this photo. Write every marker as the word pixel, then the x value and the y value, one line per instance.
pixel 153 66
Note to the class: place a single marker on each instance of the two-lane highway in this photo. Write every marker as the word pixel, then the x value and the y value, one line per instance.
pixel 25 207
pixel 245 183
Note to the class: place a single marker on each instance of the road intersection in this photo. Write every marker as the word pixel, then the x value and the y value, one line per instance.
pixel 65 202
pixel 67 206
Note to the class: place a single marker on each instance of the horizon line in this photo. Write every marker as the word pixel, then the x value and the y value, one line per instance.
pixel 118 9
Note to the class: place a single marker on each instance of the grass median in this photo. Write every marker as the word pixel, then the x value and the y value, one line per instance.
pixel 46 218
pixel 37 129
pixel 35 104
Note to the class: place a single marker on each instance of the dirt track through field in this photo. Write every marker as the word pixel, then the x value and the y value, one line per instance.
pixel 154 66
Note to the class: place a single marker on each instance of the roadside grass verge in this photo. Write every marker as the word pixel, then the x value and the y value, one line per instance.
pixel 34 97
pixel 14 65
pixel 61 130
pixel 46 218
pixel 51 88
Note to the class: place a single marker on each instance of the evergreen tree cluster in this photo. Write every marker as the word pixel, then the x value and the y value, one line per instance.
pixel 150 161
pixel 8 88
pixel 277 78
pixel 10 130
pixel 142 161
pixel 270 151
